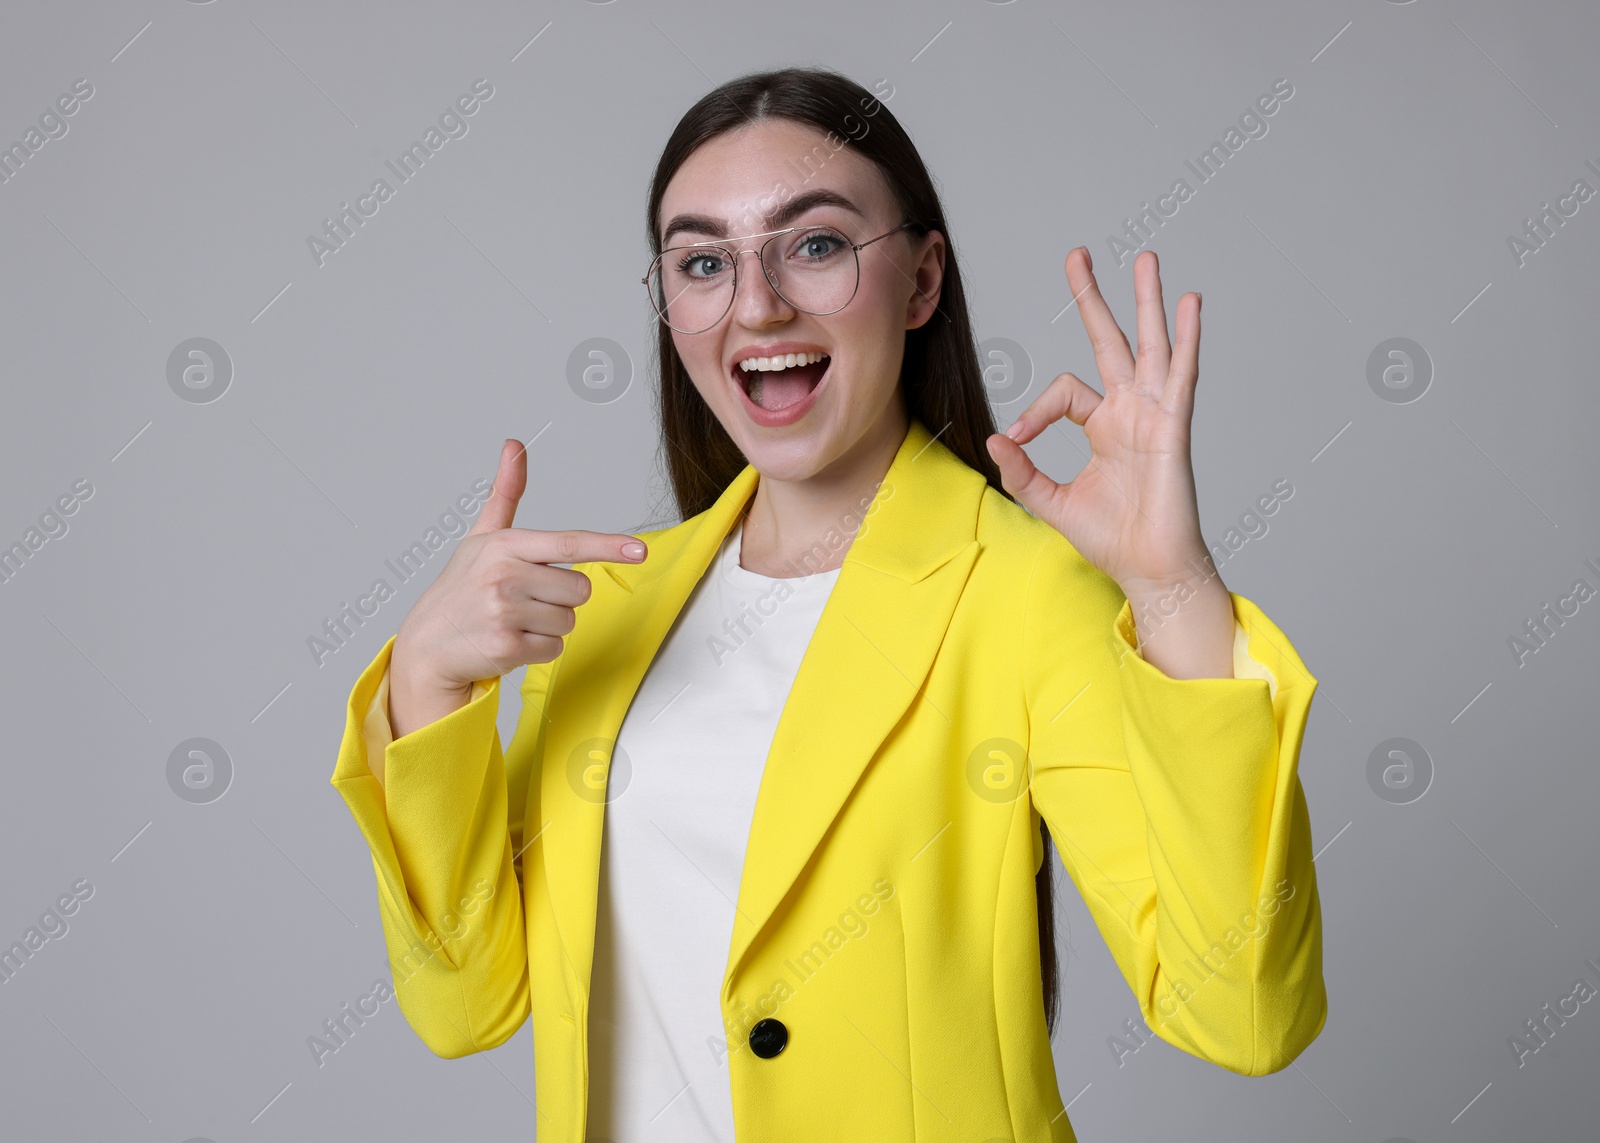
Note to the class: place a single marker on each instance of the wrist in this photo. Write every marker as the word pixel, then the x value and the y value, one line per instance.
pixel 410 677
pixel 1163 594
pixel 1186 634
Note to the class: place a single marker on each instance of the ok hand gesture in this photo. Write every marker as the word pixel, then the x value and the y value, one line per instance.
pixel 1132 511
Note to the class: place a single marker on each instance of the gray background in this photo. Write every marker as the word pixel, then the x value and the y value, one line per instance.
pixel 369 393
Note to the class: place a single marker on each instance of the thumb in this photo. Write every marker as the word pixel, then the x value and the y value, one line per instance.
pixel 509 483
pixel 1021 477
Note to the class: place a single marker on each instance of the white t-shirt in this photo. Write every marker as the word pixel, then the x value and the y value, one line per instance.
pixel 695 741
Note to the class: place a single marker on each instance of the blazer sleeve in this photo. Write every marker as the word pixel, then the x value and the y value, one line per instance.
pixel 441 812
pixel 1177 809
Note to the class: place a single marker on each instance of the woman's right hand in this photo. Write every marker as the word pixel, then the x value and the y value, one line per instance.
pixel 495 606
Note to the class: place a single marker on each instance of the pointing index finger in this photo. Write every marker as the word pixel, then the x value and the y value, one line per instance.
pixel 575 546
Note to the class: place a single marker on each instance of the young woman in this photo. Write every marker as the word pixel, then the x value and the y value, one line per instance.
pixel 769 854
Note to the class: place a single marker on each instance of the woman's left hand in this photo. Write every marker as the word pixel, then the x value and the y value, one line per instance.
pixel 1131 511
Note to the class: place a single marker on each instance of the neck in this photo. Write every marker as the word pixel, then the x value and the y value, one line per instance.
pixel 801 527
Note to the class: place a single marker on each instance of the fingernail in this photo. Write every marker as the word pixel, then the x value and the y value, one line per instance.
pixel 633 549
pixel 1014 430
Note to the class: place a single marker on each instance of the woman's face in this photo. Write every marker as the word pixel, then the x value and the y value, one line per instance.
pixel 747 182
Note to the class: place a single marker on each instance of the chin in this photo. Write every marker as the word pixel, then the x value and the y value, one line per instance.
pixel 797 458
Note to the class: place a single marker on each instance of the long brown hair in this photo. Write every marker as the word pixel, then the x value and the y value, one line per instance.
pixel 940 379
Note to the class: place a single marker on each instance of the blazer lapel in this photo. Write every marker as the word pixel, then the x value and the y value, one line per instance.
pixel 874 643
pixel 618 632
pixel 872 648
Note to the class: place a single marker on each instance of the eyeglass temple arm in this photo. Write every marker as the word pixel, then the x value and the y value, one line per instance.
pixel 881 237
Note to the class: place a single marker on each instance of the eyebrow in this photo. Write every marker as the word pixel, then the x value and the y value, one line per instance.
pixel 777 219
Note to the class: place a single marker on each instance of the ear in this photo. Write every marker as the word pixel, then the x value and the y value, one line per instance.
pixel 929 281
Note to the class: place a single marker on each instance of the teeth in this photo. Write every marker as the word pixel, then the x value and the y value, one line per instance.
pixel 783 361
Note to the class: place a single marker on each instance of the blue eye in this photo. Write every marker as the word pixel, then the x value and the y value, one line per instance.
pixel 699 257
pixel 819 245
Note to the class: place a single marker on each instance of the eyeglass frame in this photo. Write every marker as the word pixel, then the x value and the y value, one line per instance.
pixel 760 253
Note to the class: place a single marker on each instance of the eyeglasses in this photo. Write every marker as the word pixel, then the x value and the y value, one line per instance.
pixel 692 287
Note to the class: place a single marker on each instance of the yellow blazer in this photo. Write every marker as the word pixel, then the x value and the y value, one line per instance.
pixel 971 673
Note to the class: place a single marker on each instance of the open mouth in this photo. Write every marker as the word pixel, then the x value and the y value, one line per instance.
pixel 777 389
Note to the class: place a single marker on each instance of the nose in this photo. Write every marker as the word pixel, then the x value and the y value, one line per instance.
pixel 756 302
